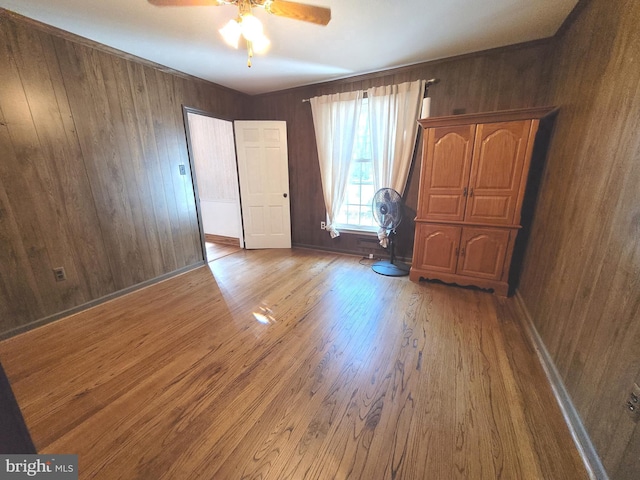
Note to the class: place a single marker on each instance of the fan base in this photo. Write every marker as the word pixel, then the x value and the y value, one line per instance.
pixel 397 269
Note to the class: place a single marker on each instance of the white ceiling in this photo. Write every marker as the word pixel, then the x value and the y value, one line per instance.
pixel 363 35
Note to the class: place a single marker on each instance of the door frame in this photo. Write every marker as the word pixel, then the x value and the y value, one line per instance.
pixel 185 115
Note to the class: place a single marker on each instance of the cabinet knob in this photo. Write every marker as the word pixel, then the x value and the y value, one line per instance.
pixel 471 193
pixel 462 252
pixel 465 191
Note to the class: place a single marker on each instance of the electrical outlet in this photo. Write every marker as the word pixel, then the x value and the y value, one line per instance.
pixel 59 274
pixel 371 256
pixel 633 403
pixel 323 225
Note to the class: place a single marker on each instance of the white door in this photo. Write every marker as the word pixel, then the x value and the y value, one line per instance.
pixel 264 183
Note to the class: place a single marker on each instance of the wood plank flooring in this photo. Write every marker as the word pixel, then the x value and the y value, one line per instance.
pixel 292 364
pixel 219 250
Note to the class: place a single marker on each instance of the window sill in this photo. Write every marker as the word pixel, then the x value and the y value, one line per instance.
pixel 373 232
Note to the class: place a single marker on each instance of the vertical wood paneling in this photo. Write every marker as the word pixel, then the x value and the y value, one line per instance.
pixel 581 274
pixel 19 292
pixel 99 143
pixel 136 180
pixel 502 79
pixel 121 182
pixel 157 201
pixel 28 175
pixel 163 142
pixel 90 146
pixel 72 181
pixel 182 183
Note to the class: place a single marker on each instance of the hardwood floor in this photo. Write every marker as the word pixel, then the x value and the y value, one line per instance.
pixel 219 250
pixel 292 364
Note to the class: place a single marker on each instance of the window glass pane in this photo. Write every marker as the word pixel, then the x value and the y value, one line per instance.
pixel 367 194
pixel 353 194
pixel 352 215
pixel 367 172
pixel 356 211
pixel 356 172
pixel 367 217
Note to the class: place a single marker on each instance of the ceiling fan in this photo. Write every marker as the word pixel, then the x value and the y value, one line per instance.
pixel 249 27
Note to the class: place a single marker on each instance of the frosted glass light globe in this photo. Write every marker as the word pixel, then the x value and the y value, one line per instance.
pixel 251 27
pixel 231 33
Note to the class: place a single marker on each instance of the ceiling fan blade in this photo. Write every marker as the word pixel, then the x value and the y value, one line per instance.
pixel 187 3
pixel 299 11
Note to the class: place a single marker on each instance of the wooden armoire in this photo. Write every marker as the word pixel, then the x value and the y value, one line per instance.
pixel 472 184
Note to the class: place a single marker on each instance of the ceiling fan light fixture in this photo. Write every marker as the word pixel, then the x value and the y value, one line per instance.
pixel 251 27
pixel 261 44
pixel 231 33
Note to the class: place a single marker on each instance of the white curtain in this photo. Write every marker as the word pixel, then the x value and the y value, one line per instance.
pixel 335 120
pixel 393 115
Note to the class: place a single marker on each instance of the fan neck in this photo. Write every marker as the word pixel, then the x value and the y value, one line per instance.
pixel 244 7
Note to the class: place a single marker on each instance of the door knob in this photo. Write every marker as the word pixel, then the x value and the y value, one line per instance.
pixel 284 195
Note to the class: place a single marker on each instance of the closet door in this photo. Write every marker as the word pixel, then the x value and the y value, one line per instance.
pixel 445 173
pixel 498 160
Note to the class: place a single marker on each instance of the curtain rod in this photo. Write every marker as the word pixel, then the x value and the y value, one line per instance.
pixel 427 84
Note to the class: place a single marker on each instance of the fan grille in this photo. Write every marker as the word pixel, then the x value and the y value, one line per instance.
pixel 387 208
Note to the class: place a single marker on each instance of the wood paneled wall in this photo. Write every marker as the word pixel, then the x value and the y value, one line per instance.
pixel 581 274
pixel 90 148
pixel 505 78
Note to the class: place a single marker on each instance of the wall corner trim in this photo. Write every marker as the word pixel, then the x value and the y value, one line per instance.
pixel 581 438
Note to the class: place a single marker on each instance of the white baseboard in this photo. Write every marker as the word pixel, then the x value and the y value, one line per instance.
pixel 585 447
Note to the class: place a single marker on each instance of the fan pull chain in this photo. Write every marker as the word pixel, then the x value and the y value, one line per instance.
pixel 250 51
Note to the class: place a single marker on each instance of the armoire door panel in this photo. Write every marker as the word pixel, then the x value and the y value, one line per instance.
pixel 450 206
pixel 483 252
pixel 437 247
pixel 490 207
pixel 498 160
pixel 445 173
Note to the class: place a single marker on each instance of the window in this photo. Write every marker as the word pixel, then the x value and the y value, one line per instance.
pixel 358 153
pixel 356 213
